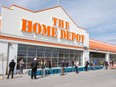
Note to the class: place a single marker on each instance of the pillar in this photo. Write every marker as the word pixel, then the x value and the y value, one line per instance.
pixel 85 56
pixel 107 57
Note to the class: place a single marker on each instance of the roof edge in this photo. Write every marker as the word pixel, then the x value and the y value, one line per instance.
pixel 14 5
pixel 43 10
pixel 72 19
pixel 102 42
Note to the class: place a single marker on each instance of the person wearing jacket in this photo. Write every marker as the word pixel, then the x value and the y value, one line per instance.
pixel 21 63
pixel 76 66
pixel 106 64
pixel 62 67
pixel 86 65
pixel 43 66
pixel 49 66
pixel 11 69
pixel 34 65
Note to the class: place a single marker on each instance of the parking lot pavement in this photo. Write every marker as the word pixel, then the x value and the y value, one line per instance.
pixel 97 78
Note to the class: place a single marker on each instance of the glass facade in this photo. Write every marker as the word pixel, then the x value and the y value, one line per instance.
pixel 55 55
pixel 98 57
pixel 113 58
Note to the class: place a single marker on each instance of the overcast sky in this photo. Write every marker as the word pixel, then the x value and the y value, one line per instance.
pixel 98 17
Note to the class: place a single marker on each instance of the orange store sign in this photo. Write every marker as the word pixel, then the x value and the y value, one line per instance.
pixel 52 31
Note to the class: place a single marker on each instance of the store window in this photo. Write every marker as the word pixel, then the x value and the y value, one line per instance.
pixel 97 57
pixel 54 55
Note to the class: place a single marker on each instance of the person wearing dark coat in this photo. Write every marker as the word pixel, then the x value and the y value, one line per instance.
pixel 72 63
pixel 86 65
pixel 67 64
pixel 11 69
pixel 34 65
pixel 62 69
pixel 49 66
pixel 106 64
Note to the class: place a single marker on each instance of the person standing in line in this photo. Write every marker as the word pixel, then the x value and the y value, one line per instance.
pixel 21 63
pixel 76 66
pixel 112 63
pixel 18 68
pixel 43 65
pixel 106 64
pixel 92 65
pixel 11 69
pixel 49 66
pixel 34 65
pixel 86 65
pixel 62 69
pixel 101 62
pixel 94 62
pixel 72 63
pixel 67 64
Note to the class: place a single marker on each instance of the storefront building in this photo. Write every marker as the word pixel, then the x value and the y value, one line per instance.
pixel 48 34
pixel 100 51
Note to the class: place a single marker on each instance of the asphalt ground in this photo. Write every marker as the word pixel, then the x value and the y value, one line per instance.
pixel 97 78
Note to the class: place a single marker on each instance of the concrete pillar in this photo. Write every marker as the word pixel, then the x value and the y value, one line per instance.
pixel 13 53
pixel 3 57
pixel 9 52
pixel 85 56
pixel 107 57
